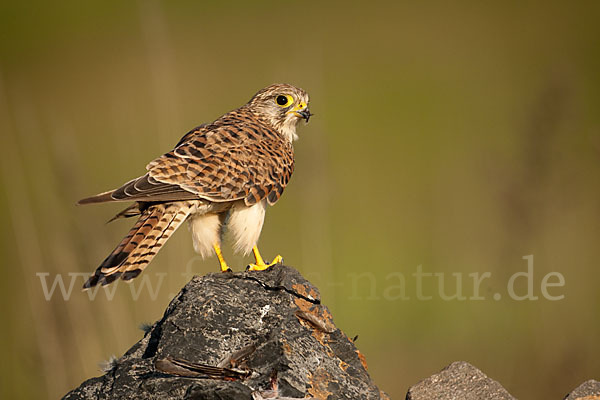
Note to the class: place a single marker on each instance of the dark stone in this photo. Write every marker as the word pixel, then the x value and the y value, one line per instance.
pixel 589 390
pixel 459 380
pixel 239 336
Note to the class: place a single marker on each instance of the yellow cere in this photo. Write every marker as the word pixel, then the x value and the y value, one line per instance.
pixel 299 107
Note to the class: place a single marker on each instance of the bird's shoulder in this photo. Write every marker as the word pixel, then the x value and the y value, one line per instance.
pixel 231 158
pixel 232 129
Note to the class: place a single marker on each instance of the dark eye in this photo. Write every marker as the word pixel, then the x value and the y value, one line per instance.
pixel 282 100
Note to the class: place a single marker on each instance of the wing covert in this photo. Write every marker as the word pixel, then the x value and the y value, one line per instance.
pixel 226 163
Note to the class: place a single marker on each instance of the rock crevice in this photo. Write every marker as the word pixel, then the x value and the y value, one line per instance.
pixel 247 335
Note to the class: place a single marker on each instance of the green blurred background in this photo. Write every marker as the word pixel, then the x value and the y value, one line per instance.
pixel 459 136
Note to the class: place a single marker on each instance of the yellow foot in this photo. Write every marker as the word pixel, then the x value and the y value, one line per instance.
pixel 226 268
pixel 222 263
pixel 261 266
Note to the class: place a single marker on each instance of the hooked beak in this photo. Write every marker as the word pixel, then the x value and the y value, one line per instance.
pixel 304 114
pixel 301 111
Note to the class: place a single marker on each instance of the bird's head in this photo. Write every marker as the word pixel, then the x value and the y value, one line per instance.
pixel 282 105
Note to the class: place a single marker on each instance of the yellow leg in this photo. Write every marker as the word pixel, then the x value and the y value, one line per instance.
pixel 260 263
pixel 224 266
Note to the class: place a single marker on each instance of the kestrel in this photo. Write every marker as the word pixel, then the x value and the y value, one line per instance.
pixel 221 175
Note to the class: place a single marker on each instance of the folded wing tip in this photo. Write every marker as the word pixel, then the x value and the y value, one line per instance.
pixel 99 198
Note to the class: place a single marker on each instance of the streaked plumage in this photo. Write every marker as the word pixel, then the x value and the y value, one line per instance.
pixel 222 173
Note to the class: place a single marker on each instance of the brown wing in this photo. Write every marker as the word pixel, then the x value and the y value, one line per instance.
pixel 143 188
pixel 231 161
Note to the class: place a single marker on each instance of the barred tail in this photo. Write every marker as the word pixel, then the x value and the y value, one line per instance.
pixel 155 225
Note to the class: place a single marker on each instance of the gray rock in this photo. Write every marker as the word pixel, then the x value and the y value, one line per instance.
pixel 589 390
pixel 249 335
pixel 459 380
